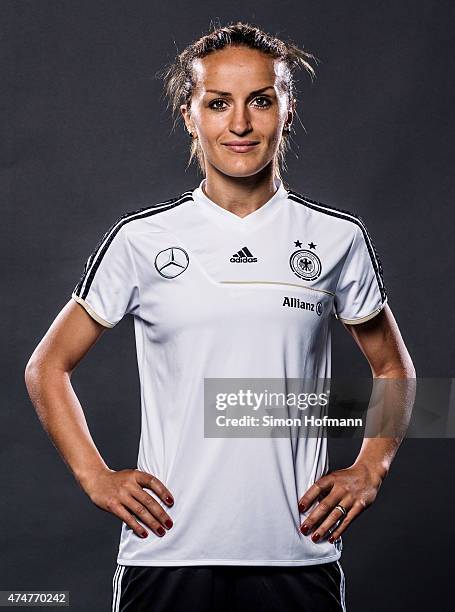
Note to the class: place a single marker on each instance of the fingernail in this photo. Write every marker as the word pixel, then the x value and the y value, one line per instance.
pixel 305 529
pixel 331 539
pixel 316 537
pixel 161 531
pixel 169 500
pixel 144 534
pixel 168 523
pixel 302 507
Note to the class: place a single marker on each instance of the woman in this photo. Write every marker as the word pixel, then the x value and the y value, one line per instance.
pixel 236 278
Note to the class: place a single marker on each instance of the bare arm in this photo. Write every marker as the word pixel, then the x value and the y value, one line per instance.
pixel 355 488
pixel 380 341
pixel 48 381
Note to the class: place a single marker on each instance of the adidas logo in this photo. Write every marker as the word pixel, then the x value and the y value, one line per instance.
pixel 243 256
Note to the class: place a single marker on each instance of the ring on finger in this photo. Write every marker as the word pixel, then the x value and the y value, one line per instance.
pixel 342 509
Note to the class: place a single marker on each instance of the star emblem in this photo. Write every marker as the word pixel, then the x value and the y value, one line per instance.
pixel 311 245
pixel 297 243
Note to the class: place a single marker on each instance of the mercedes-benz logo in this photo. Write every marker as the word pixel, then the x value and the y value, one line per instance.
pixel 171 262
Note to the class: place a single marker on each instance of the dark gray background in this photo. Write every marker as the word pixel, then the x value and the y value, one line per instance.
pixel 87 137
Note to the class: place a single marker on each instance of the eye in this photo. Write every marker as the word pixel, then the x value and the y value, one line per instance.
pixel 213 102
pixel 266 100
pixel 259 102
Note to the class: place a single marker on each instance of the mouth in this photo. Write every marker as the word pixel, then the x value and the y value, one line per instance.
pixel 240 147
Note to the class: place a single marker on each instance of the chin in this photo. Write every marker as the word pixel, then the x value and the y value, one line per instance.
pixel 240 169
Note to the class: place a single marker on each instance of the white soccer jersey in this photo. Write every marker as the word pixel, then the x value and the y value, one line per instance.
pixel 215 295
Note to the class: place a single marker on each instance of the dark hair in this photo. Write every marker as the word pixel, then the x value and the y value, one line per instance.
pixel 179 81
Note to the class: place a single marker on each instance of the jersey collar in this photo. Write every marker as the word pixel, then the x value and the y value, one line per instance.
pixel 253 219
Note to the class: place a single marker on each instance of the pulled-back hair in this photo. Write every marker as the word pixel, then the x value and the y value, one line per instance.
pixel 179 78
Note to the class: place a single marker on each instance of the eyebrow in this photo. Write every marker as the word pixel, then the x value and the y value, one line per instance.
pixel 227 93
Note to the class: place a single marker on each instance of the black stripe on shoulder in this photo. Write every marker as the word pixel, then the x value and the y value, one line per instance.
pixel 330 210
pixel 357 220
pixel 183 197
pixel 95 258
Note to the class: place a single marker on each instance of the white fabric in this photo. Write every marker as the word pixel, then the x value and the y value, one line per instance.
pixel 235 498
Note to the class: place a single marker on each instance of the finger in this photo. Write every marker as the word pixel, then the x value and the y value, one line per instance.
pixel 142 513
pixel 333 520
pixel 320 487
pixel 153 507
pixel 351 515
pixel 129 520
pixel 152 482
pixel 320 513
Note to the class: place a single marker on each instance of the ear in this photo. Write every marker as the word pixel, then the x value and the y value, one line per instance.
pixel 186 117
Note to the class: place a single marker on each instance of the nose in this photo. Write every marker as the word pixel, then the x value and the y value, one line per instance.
pixel 240 121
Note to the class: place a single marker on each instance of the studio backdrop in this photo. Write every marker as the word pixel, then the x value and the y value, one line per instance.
pixel 87 137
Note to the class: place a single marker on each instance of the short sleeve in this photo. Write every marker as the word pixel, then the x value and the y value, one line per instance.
pixel 360 294
pixel 108 288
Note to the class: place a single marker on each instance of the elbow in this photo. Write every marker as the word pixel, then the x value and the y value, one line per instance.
pixel 399 369
pixel 31 373
pixel 407 366
pixel 34 369
pixel 410 370
pixel 43 368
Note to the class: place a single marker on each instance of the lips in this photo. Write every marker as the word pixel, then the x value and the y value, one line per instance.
pixel 240 148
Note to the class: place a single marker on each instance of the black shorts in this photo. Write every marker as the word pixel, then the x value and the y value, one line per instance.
pixel 228 588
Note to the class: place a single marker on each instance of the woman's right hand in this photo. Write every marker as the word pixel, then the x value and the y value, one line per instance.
pixel 122 494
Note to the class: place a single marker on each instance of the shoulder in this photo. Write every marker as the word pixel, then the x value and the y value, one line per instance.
pixel 338 222
pixel 144 213
pixel 142 218
pixel 332 215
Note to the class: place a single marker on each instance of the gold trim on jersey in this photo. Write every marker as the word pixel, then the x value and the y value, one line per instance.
pixel 362 319
pixel 260 282
pixel 91 312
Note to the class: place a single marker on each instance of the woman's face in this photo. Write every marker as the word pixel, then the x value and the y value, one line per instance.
pixel 240 96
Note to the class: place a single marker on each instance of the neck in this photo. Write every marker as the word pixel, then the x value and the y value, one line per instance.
pixel 239 195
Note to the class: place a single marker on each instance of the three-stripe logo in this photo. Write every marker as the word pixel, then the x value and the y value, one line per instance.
pixel 243 256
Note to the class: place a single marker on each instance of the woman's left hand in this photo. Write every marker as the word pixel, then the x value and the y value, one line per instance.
pixel 354 488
